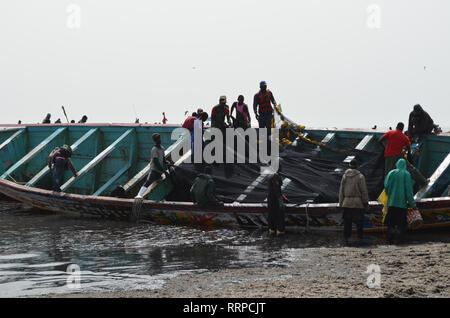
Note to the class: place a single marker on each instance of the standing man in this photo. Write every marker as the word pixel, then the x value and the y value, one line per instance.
pixel 58 161
pixel 398 186
pixel 275 203
pixel 354 199
pixel 396 141
pixel 157 165
pixel 264 100
pixel 242 113
pixel 221 113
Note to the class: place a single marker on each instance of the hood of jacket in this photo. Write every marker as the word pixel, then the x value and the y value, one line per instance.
pixel 401 164
pixel 349 173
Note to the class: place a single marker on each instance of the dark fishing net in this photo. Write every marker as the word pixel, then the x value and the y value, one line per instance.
pixel 308 174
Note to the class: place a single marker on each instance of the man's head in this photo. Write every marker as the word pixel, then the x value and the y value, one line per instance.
pixel 48 116
pixel 353 164
pixel 207 170
pixel 84 118
pixel 263 85
pixel 418 108
pixel 400 126
pixel 199 111
pixel 241 99
pixel 194 114
pixel 222 100
pixel 203 116
pixel 68 150
pixel 156 138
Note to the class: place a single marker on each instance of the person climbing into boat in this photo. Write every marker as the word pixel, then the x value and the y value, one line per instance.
pixel 203 190
pixel 220 115
pixel 398 186
pixel 396 141
pixel 158 165
pixel 353 199
pixel 262 106
pixel 420 122
pixel 242 114
pixel 58 161
pixel 46 120
pixel 275 204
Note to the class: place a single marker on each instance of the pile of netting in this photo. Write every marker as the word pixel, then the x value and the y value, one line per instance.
pixel 308 175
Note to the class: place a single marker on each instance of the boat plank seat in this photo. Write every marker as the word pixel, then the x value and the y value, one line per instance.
pixel 442 172
pixel 96 160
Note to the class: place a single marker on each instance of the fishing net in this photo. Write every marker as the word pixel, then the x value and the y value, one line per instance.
pixel 308 175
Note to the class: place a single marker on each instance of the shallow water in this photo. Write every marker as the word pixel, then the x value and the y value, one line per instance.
pixel 39 252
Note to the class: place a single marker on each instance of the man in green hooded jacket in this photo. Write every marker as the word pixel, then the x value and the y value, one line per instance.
pixel 398 186
pixel 203 190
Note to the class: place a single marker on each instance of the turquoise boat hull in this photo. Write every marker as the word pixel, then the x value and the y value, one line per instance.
pixel 111 155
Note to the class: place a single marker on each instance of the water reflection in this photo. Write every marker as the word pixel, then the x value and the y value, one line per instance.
pixel 37 248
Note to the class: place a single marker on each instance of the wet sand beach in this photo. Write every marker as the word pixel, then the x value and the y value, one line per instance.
pixel 409 270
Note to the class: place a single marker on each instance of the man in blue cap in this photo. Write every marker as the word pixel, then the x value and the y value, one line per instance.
pixel 264 100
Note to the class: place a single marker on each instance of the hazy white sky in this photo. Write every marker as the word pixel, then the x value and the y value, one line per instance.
pixel 323 59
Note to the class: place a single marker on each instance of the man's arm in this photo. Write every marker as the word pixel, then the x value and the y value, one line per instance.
pixel 272 99
pixel 341 192
pixel 72 167
pixel 158 164
pixel 381 140
pixel 364 192
pixel 248 114
pixel 255 106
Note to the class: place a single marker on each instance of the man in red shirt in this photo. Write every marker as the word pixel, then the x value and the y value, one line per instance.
pixel 396 141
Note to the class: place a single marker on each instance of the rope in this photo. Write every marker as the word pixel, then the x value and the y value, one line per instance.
pixel 292 128
pixel 136 210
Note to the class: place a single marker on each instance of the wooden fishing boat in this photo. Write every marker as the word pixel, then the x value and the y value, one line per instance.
pixel 109 155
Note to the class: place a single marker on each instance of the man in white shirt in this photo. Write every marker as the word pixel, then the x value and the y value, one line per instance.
pixel 157 165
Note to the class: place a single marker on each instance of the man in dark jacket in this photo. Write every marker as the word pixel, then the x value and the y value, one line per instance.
pixel 275 203
pixel 420 123
pixel 353 198
pixel 203 190
pixel 58 162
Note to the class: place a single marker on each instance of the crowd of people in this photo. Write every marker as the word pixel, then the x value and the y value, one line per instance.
pixel 353 195
pixel 47 120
